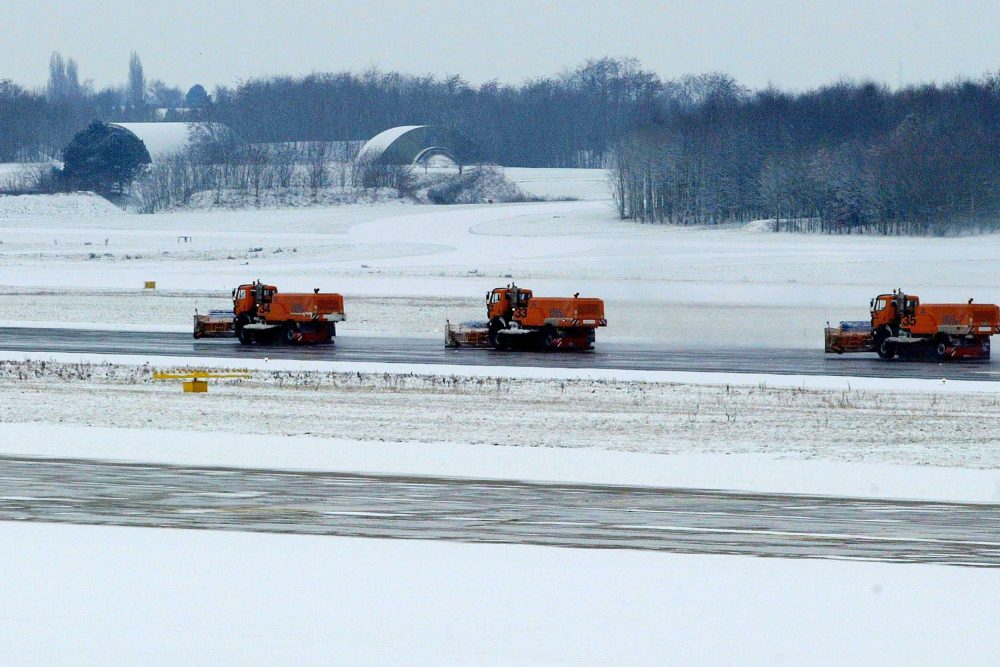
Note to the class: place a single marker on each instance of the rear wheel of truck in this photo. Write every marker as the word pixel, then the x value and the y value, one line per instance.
pixel 550 337
pixel 939 348
pixel 288 333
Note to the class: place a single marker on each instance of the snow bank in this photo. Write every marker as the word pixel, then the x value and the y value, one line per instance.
pixel 104 595
pixel 42 206
pixel 757 473
pixel 836 383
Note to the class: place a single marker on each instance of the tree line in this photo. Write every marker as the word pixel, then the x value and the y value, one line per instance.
pixel 35 125
pixel 566 120
pixel 702 149
pixel 846 158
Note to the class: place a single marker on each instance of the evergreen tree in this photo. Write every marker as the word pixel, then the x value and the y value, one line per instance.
pixel 104 159
pixel 196 96
pixel 136 82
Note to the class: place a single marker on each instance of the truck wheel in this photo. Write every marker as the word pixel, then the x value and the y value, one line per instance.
pixel 939 348
pixel 245 337
pixel 288 333
pixel 549 338
pixel 495 327
pixel 885 349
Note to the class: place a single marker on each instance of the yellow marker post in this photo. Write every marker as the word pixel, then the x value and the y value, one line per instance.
pixel 149 284
pixel 196 382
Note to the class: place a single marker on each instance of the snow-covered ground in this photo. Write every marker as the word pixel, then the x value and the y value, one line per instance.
pixel 98 595
pixel 405 268
pixel 582 184
pixel 76 204
pixel 696 287
pixel 583 426
pixel 103 595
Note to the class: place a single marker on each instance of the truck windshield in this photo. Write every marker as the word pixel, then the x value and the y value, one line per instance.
pixel 880 304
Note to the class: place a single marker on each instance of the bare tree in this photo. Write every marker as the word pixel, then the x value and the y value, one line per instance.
pixel 283 165
pixel 317 166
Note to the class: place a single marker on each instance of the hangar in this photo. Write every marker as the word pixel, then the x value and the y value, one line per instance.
pixel 415 144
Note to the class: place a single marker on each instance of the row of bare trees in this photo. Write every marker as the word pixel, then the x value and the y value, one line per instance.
pixel 220 164
pixel 843 159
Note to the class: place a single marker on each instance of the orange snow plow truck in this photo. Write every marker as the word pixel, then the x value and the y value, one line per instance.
pixel 262 314
pixel 901 325
pixel 517 319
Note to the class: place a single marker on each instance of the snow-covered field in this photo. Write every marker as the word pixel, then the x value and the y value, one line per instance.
pixel 660 431
pixel 97 595
pixel 728 286
pixel 406 268
pixel 100 595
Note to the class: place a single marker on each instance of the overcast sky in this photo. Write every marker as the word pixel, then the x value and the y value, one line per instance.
pixel 795 45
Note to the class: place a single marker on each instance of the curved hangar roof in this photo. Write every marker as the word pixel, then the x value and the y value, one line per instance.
pixel 408 144
pixel 164 138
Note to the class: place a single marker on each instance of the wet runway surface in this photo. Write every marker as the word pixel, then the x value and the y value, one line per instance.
pixel 429 351
pixel 672 520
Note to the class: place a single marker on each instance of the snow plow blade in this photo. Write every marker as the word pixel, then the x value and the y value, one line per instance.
pixel 466 334
pixel 217 324
pixel 849 337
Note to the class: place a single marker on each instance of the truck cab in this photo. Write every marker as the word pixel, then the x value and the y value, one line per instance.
pixel 247 298
pixel 504 301
pixel 893 309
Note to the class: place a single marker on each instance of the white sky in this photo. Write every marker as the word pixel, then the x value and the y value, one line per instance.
pixel 791 44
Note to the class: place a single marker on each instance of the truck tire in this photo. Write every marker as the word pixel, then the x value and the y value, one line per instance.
pixel 549 337
pixel 883 347
pixel 288 333
pixel 939 348
pixel 245 337
pixel 496 326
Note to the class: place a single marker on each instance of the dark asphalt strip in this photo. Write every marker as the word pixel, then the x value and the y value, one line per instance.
pixel 428 351
pixel 470 510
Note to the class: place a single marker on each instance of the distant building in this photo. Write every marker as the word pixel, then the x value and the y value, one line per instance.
pixel 164 138
pixel 415 144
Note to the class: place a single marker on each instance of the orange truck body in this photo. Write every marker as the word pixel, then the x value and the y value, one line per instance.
pixel 517 319
pixel 263 314
pixel 901 324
